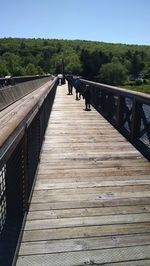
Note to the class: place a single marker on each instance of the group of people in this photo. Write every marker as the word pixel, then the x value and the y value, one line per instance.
pixel 76 83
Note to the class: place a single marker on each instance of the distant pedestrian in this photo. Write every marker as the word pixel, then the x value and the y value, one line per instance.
pixel 60 78
pixel 78 88
pixel 87 97
pixel 70 80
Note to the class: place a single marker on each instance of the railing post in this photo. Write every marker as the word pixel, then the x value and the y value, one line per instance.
pixel 110 106
pixel 120 111
pixel 135 120
pixel 96 98
pixel 25 173
pixel 103 101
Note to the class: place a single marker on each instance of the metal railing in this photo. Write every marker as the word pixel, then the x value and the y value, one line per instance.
pixel 127 111
pixel 19 157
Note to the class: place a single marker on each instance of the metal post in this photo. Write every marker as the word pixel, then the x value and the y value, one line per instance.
pixel 135 120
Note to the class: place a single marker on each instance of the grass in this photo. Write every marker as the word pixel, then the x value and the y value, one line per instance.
pixel 145 88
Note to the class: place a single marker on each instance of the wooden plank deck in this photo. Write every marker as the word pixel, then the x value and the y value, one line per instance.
pixel 91 202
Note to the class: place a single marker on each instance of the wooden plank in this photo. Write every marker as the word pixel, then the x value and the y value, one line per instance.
pixel 54 180
pixel 94 189
pixel 82 244
pixel 45 184
pixel 88 203
pixel 91 193
pixel 87 257
pixel 86 221
pixel 86 212
pixel 93 149
pixel 92 172
pixel 86 231
pixel 95 155
pixel 88 197
pixel 81 139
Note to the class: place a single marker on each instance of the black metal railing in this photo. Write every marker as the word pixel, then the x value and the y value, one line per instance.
pixel 18 165
pixel 127 111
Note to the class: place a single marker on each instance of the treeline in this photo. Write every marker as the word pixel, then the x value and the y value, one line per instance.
pixel 103 62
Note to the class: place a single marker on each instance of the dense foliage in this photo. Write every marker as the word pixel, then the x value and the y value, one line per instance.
pixel 102 62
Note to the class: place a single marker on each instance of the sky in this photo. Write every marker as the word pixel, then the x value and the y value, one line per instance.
pixel 112 21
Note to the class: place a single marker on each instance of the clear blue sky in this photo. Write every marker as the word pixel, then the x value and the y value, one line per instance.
pixel 115 21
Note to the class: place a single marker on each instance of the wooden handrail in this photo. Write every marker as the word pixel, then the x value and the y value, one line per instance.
pixel 12 94
pixel 17 118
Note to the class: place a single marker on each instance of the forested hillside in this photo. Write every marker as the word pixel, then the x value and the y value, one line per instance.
pixel 102 62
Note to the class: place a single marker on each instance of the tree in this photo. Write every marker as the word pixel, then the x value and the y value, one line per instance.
pixel 31 69
pixel 127 65
pixel 92 61
pixel 136 64
pixel 3 69
pixel 112 73
pixel 12 62
pixel 39 70
pixel 19 71
pixel 85 60
pixel 72 63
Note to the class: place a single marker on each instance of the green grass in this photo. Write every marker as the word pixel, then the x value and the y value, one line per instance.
pixel 145 88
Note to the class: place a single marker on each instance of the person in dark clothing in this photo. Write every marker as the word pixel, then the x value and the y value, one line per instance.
pixel 87 97
pixel 78 88
pixel 70 83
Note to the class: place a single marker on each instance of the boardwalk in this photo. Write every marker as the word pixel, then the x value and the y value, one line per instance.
pixel 91 202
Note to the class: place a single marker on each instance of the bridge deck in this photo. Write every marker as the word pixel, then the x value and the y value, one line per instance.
pixel 91 202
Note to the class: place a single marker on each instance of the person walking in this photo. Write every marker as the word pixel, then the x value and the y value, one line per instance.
pixel 87 97
pixel 78 88
pixel 70 83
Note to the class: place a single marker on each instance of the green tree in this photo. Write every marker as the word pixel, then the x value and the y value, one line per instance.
pixel 31 69
pixel 113 74
pixel 115 60
pixel 39 70
pixel 3 69
pixel 85 60
pixel 136 64
pixel 12 62
pixel 19 71
pixel 127 65
pixel 72 63
pixel 92 62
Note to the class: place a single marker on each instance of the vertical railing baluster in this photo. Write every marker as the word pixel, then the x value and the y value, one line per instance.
pixel 120 111
pixel 25 173
pixel 136 120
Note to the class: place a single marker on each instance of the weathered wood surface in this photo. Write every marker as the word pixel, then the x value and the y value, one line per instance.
pixel 91 202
